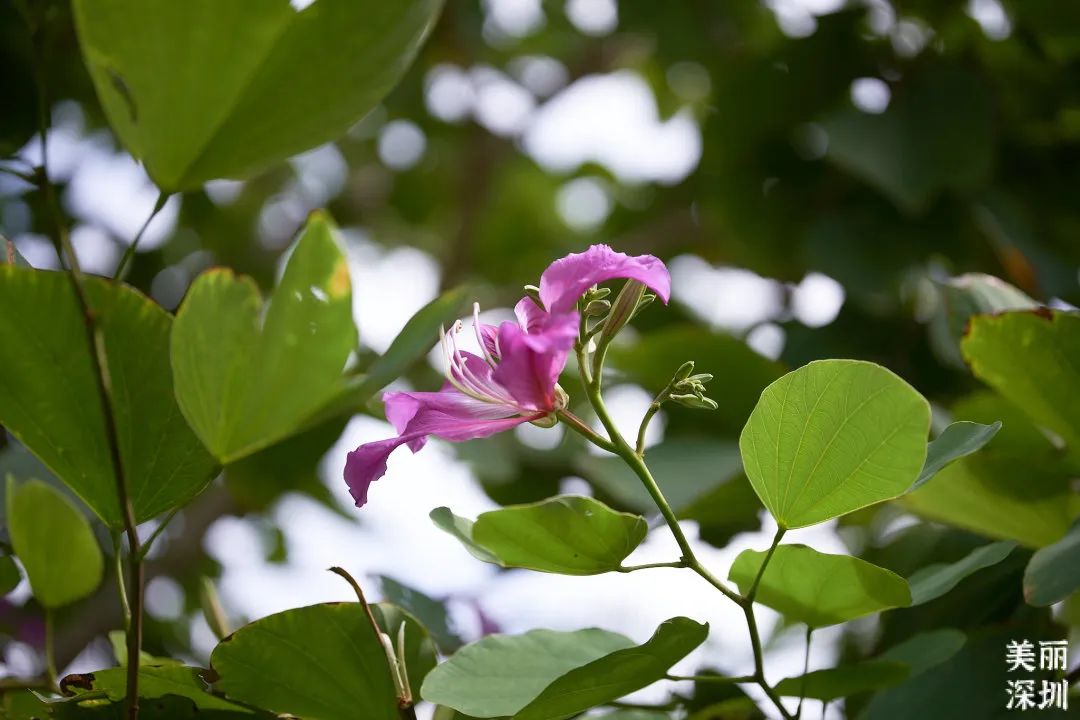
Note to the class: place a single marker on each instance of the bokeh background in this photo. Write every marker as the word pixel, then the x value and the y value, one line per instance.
pixel 810 170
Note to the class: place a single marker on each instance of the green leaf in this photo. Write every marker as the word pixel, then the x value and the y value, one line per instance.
pixel 49 397
pixel 461 528
pixel 200 90
pixel 54 541
pixel 155 682
pixel 9 574
pixel 617 674
pixel 245 381
pixel 687 469
pixel 926 650
pixel 568 534
pixel 429 612
pixel 819 589
pixel 964 296
pixel 321 661
pixel 844 681
pixel 832 437
pixel 1029 357
pixel 1053 573
pixel 956 441
pixel 501 674
pixel 933 581
pixel 1017 488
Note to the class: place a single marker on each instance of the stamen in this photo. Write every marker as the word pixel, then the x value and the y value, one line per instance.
pixel 480 337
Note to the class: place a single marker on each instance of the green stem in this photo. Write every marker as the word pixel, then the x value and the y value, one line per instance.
pixel 764 563
pixel 146 546
pixel 722 679
pixel 805 670
pixel 118 566
pixel 50 652
pixel 580 427
pixel 636 463
pixel 653 409
pixel 649 566
pixel 129 253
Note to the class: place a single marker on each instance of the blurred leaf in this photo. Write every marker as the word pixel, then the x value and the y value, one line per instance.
pixel 956 687
pixel 501 674
pixel 633 715
pixel 740 373
pixel 202 90
pixel 429 612
pixel 316 661
pixel 935 135
pixel 49 396
pixel 1053 573
pixel 419 655
pixel 925 650
pixel 686 469
pixel 155 682
pixel 245 381
pixel 568 534
pixel 964 296
pixel 819 589
pixel 1028 357
pixel 10 577
pixel 618 674
pixel 844 681
pixel 51 537
pixel 832 437
pixel 1016 488
pixel 933 581
pixel 118 644
pixel 956 441
pixel 727 510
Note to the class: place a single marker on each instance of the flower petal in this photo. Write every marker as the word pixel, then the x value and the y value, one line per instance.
pixel 568 278
pixel 532 362
pixel 447 414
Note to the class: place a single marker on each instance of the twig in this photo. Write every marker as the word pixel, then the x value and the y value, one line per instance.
pixel 99 360
pixel 129 253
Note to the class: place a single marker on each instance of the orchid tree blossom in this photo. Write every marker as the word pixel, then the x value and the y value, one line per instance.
pixel 515 380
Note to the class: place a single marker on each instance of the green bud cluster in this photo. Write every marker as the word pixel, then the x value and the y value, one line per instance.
pixel 689 390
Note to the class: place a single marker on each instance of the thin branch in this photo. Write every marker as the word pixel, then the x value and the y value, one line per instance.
pixel 805 671
pixel 99 360
pixel 146 546
pixel 50 651
pixel 764 563
pixel 722 679
pixel 129 253
pixel 649 566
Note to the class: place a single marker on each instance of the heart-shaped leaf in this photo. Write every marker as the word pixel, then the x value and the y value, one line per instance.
pixel 618 674
pixel 245 378
pixel 500 674
pixel 54 542
pixel 569 534
pixel 819 589
pixel 203 89
pixel 322 661
pixel 49 396
pixel 832 437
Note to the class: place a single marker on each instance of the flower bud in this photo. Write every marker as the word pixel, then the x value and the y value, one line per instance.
pixel 695 401
pixel 598 308
pixel 533 293
pixel 622 310
pixel 684 370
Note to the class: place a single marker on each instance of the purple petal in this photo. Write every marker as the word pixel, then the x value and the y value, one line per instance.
pixel 489 334
pixel 531 317
pixel 448 414
pixel 568 278
pixel 532 362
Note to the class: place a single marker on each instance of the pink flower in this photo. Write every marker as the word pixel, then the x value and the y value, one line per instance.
pixel 514 382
